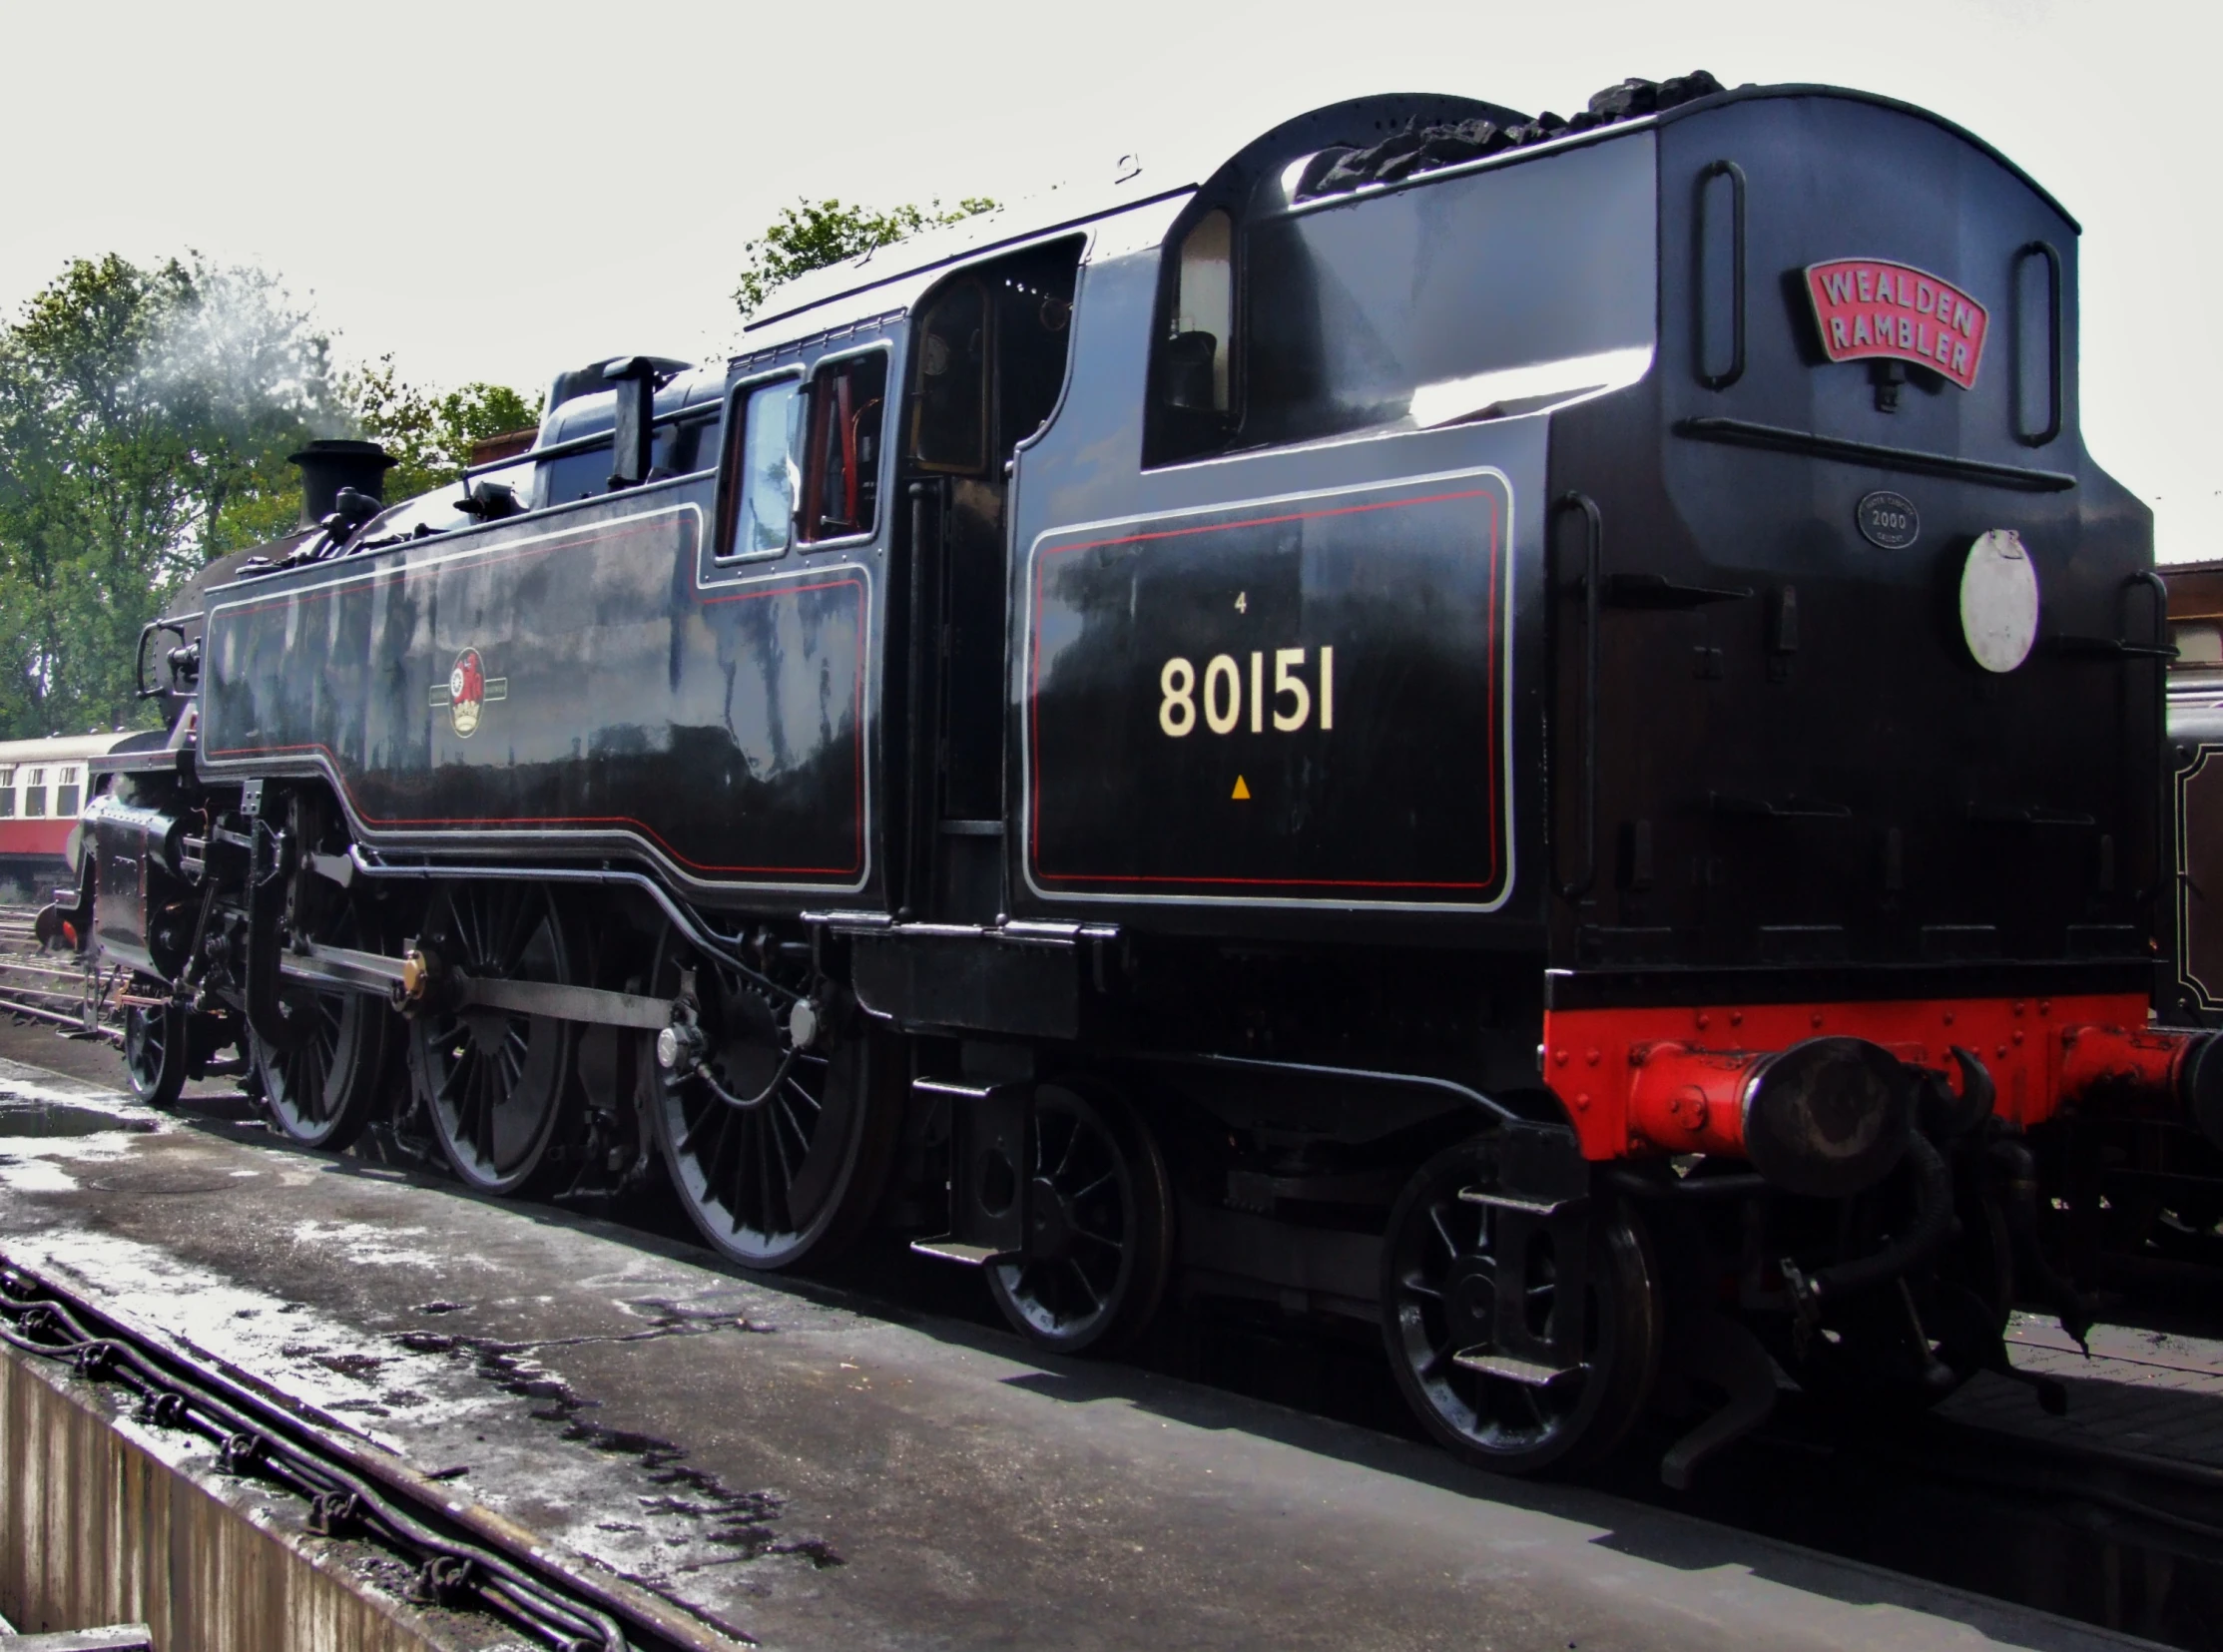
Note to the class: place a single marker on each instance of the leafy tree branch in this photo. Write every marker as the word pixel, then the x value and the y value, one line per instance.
pixel 814 233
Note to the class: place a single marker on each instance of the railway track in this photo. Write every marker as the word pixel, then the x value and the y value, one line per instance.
pixel 460 1557
pixel 54 986
pixel 2130 1539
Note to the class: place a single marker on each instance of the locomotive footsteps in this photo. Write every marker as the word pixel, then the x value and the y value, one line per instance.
pixel 1290 704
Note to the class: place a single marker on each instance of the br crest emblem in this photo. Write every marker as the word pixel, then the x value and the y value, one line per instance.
pixel 467 690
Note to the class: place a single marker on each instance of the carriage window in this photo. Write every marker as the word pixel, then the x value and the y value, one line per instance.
pixel 34 792
pixel 2198 646
pixel 7 793
pixel 841 465
pixel 65 800
pixel 765 477
pixel 949 383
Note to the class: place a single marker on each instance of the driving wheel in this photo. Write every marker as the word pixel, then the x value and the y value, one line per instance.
pixel 1098 1226
pixel 155 1053
pixel 776 1123
pixel 1440 1287
pixel 322 1088
pixel 496 1084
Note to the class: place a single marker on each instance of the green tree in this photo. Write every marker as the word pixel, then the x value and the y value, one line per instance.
pixel 145 415
pixel 430 433
pixel 812 234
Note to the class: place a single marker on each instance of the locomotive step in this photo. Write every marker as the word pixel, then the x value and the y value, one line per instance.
pixel 1531 1374
pixel 1513 1202
pixel 970 1256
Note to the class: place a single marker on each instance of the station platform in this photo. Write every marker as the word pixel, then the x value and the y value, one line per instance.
pixel 803 1469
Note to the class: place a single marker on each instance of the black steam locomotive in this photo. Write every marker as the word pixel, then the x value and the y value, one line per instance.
pixel 1533 732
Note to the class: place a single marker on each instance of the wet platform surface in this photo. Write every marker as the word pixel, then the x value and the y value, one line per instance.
pixel 814 1472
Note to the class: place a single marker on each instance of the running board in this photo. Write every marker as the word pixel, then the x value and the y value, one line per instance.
pixel 1530 1373
pixel 971 1256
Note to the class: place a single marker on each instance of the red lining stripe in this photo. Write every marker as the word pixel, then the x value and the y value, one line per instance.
pixel 1035 686
pixel 495 824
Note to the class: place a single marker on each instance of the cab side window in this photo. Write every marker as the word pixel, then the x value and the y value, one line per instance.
pixel 765 477
pixel 1190 393
pixel 950 383
pixel 841 450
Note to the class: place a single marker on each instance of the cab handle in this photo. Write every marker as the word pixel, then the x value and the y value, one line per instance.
pixel 1736 368
pixel 1593 554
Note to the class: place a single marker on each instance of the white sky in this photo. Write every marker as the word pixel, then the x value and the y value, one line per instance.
pixel 498 191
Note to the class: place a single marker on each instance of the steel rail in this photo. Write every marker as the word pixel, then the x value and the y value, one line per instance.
pixel 19 996
pixel 465 1555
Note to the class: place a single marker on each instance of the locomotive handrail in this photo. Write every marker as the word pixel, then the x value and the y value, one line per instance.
pixel 1592 583
pixel 1736 176
pixel 139 661
pixel 915 871
pixel 1783 439
pixel 2052 427
pixel 582 444
pixel 2164 853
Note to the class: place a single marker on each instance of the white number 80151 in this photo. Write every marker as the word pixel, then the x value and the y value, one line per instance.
pixel 1224 697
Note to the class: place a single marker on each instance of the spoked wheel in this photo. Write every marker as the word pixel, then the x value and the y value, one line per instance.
pixel 154 1054
pixel 497 1085
pixel 1439 1295
pixel 1099 1226
pixel 778 1127
pixel 321 1090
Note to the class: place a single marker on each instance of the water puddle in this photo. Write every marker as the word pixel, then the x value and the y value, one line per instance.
pixel 23 1117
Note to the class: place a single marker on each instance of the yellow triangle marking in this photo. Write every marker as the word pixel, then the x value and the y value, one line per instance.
pixel 1242 792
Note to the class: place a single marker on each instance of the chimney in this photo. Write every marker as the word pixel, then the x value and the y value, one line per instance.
pixel 328 467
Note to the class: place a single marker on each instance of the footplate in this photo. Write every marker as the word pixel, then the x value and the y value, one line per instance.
pixel 1540 1218
pixel 987 1179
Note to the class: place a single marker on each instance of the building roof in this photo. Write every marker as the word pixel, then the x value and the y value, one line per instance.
pixel 60 747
